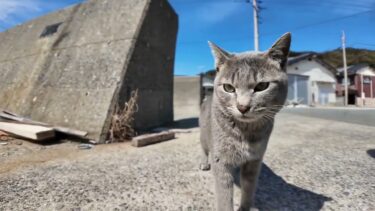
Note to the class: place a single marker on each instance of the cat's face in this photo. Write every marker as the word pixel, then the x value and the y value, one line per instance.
pixel 250 86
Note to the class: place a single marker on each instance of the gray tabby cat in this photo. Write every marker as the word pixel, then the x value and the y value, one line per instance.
pixel 236 122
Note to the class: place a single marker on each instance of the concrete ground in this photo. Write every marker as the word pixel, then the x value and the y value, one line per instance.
pixel 311 164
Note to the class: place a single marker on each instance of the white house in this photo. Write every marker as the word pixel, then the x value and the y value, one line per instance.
pixel 311 81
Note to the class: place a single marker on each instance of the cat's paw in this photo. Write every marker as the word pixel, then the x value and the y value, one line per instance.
pixel 205 167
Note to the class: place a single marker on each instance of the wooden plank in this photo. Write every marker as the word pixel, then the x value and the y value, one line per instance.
pixel 33 132
pixel 68 131
pixel 15 118
pixel 147 139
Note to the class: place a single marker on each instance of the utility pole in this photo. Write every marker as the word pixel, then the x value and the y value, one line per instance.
pixel 345 67
pixel 256 33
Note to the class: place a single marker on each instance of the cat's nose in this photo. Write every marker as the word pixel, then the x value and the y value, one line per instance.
pixel 243 109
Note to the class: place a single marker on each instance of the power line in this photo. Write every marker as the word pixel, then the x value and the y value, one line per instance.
pixel 318 3
pixel 274 33
pixel 324 22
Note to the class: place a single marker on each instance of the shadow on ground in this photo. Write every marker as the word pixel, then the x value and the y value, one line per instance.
pixel 61 138
pixel 274 193
pixel 187 123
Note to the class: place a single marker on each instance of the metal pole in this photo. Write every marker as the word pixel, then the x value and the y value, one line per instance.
pixel 295 89
pixel 345 68
pixel 371 88
pixel 256 33
pixel 362 94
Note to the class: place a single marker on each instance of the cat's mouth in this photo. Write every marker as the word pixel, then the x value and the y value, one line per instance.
pixel 247 117
pixel 254 114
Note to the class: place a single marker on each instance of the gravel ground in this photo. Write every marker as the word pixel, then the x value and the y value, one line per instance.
pixel 311 164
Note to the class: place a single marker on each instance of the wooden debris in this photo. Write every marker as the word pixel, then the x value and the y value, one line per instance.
pixel 147 139
pixel 68 131
pixel 4 137
pixel 3 134
pixel 33 132
pixel 85 146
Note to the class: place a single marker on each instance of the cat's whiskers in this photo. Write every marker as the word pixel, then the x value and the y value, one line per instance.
pixel 267 118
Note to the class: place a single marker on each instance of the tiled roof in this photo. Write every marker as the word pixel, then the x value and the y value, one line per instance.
pixel 312 56
pixel 353 69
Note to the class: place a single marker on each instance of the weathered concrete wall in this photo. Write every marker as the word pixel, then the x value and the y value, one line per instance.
pixel 365 102
pixel 76 76
pixel 151 67
pixel 186 97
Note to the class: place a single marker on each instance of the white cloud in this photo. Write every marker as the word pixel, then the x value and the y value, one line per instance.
pixel 10 8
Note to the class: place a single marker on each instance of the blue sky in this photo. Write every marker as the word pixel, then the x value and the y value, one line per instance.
pixel 315 25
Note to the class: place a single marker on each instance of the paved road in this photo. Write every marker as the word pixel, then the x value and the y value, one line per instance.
pixel 311 164
pixel 362 116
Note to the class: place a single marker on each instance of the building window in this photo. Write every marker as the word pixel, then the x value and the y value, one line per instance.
pixel 349 82
pixel 50 30
pixel 366 80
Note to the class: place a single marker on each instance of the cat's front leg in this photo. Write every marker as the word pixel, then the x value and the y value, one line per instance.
pixel 248 180
pixel 204 165
pixel 223 186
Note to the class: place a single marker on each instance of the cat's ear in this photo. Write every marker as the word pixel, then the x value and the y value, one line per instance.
pixel 280 50
pixel 219 54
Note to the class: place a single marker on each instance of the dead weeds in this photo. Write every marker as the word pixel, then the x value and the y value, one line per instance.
pixel 122 120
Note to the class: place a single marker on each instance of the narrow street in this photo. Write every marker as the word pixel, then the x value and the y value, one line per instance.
pixel 311 164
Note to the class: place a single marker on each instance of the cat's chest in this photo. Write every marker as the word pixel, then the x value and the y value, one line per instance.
pixel 234 151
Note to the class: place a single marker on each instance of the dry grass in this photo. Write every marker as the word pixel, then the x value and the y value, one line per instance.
pixel 122 120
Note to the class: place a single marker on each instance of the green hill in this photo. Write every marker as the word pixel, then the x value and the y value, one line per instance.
pixel 353 56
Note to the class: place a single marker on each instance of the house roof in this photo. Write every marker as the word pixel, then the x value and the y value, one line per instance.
pixel 296 59
pixel 353 69
pixel 311 56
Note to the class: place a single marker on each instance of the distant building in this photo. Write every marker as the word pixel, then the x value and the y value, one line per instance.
pixel 207 83
pixel 186 96
pixel 361 83
pixel 311 81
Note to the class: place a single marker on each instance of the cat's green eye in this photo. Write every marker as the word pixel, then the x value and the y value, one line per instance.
pixel 229 88
pixel 261 86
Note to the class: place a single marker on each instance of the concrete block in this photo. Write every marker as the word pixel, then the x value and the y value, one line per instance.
pixel 101 52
